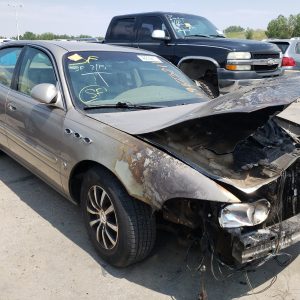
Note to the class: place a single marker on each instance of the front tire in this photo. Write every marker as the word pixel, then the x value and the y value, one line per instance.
pixel 209 89
pixel 122 229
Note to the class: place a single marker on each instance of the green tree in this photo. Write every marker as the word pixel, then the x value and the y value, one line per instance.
pixel 47 36
pixel 296 27
pixel 84 36
pixel 63 37
pixel 234 28
pixel 28 36
pixel 249 33
pixel 50 36
pixel 281 27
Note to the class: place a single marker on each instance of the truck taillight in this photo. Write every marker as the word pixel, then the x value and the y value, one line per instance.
pixel 288 62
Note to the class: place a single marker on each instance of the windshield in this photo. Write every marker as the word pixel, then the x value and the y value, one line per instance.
pixel 190 25
pixel 107 78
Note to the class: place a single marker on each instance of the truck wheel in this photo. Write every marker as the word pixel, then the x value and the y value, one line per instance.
pixel 210 90
pixel 122 229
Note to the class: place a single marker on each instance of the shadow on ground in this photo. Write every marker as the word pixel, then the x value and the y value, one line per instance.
pixel 164 272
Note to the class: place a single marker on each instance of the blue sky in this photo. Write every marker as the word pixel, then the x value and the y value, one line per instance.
pixel 92 16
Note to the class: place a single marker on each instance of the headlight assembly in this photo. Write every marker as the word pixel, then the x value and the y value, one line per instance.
pixel 238 61
pixel 239 55
pixel 244 214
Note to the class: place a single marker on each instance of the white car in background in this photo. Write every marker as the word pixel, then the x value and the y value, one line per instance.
pixel 5 40
pixel 290 49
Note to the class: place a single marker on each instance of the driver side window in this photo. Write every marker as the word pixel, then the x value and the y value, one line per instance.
pixel 148 25
pixel 36 68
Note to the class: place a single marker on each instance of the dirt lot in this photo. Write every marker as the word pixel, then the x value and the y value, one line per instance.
pixel 45 254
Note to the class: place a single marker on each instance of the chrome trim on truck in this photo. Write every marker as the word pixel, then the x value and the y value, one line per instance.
pixel 255 62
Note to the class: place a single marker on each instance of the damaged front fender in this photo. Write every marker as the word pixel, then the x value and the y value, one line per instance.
pixel 154 177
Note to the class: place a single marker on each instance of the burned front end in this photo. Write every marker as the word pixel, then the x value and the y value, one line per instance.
pixel 254 158
pixel 270 219
pixel 279 205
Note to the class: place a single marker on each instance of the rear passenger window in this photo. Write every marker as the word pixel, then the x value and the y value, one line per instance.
pixel 122 30
pixel 283 46
pixel 36 68
pixel 8 60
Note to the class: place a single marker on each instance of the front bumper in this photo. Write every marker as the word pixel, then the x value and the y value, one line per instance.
pixel 264 242
pixel 232 80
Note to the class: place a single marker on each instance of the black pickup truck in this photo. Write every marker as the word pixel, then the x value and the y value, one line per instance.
pixel 198 48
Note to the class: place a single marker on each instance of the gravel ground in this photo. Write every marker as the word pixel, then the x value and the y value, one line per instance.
pixel 45 254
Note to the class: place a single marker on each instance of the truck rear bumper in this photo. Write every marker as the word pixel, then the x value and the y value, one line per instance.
pixel 264 242
pixel 232 80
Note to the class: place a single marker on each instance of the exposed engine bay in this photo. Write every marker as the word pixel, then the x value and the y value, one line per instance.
pixel 243 150
pixel 254 157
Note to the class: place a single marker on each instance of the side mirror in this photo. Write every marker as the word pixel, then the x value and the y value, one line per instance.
pixel 44 93
pixel 159 35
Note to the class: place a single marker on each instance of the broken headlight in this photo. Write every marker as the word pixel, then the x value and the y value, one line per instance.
pixel 244 214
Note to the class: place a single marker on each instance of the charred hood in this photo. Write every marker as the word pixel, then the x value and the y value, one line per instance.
pixel 244 150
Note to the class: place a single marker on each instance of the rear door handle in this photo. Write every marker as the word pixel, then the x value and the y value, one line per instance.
pixel 11 107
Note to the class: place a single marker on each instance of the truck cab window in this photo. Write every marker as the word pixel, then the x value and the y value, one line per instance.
pixel 123 29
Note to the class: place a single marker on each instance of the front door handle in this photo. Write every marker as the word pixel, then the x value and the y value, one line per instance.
pixel 11 107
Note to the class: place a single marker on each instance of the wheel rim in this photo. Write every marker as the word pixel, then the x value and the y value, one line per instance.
pixel 102 217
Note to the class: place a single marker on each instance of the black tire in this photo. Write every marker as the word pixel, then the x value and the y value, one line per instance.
pixel 131 225
pixel 209 89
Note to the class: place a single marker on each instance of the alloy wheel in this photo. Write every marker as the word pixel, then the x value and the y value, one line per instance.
pixel 102 217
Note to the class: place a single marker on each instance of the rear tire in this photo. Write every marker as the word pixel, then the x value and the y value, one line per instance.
pixel 122 229
pixel 210 90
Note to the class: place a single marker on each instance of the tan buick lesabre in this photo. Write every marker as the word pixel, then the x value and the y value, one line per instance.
pixel 130 138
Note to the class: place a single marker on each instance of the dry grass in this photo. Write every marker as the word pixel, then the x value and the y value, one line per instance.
pixel 258 34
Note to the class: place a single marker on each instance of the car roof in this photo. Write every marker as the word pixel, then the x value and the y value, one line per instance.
pixel 291 40
pixel 152 13
pixel 71 46
pixel 278 40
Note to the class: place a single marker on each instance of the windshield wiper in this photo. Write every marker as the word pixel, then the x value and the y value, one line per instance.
pixel 217 35
pixel 198 35
pixel 122 105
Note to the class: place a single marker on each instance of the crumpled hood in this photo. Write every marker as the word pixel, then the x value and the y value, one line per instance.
pixel 275 92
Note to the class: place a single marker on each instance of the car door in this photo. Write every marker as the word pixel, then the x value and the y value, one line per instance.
pixel 297 55
pixel 34 129
pixel 145 41
pixel 8 60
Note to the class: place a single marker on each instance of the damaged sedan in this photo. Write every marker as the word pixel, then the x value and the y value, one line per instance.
pixel 128 137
